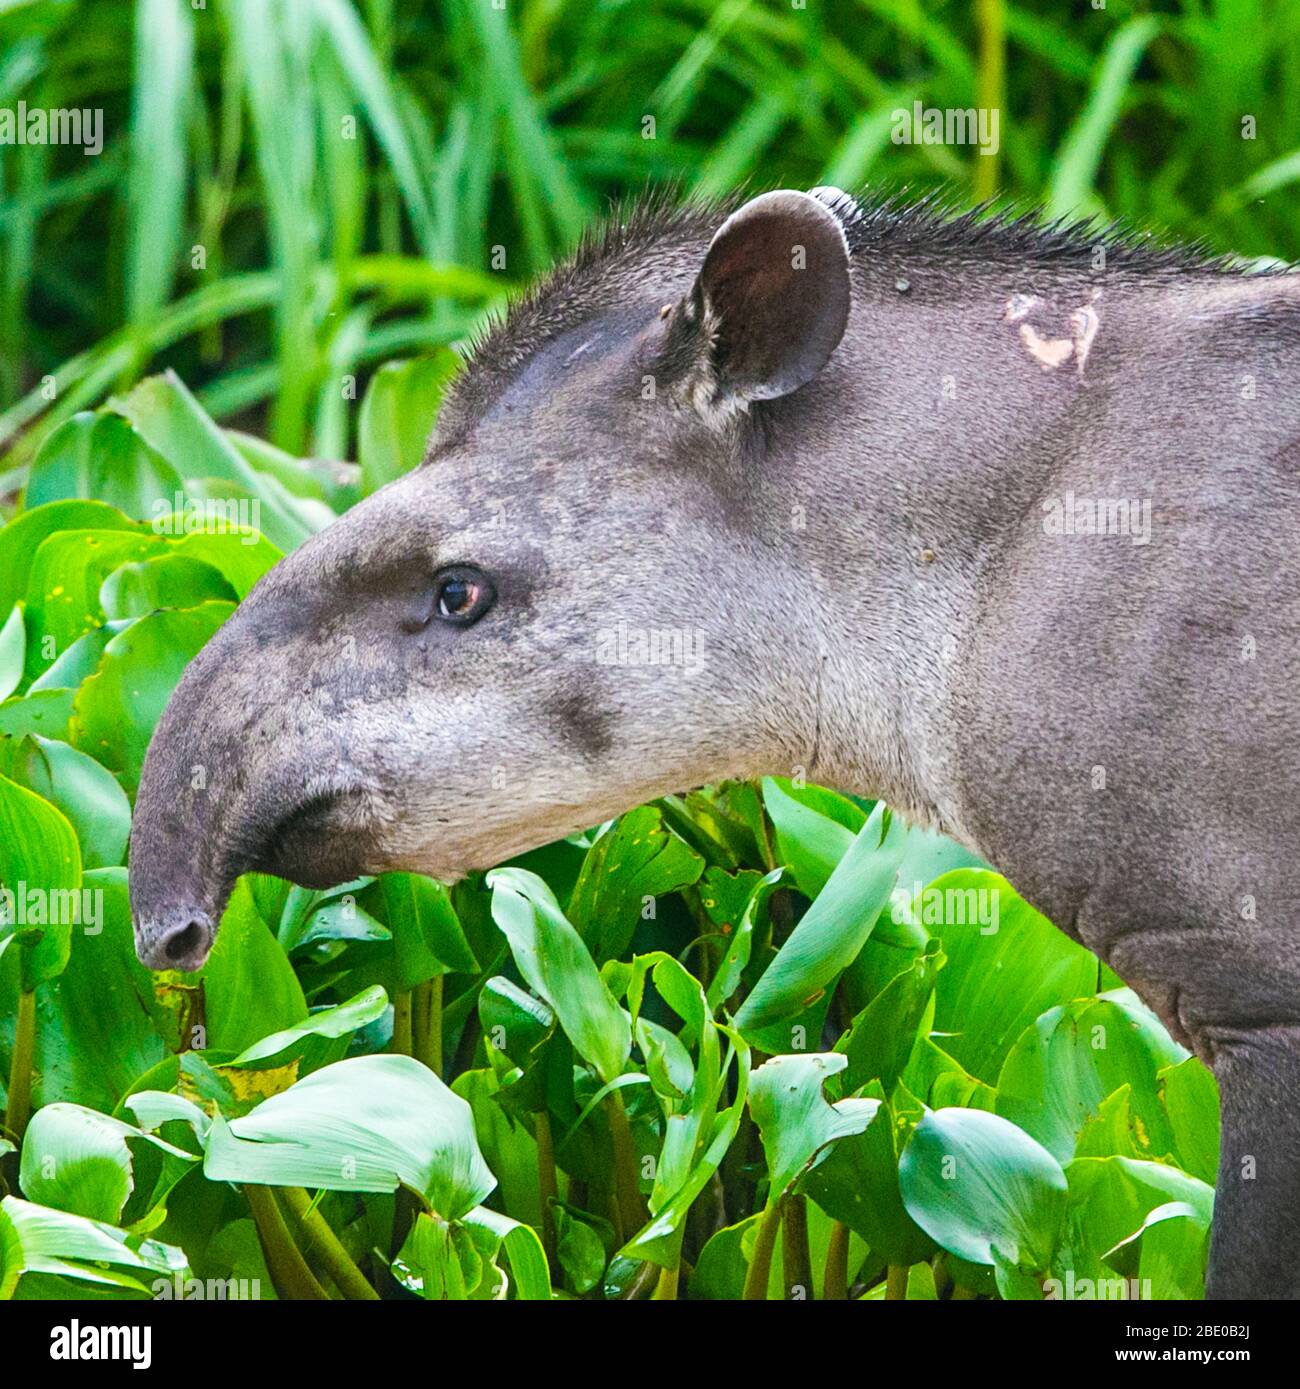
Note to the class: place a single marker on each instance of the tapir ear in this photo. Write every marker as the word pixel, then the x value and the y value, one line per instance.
pixel 771 301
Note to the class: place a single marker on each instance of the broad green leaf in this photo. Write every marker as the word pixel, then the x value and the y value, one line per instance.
pixel 579 1248
pixel 731 968
pixel 808 840
pixel 1110 1198
pixel 46 712
pixel 941 1082
pixel 96 1036
pixel 1063 1066
pixel 397 415
pixel 13 652
pixel 857 1183
pixel 64 583
pixel 35 1239
pixel 167 417
pixel 637 859
pixel 97 455
pixel 78 661
pixel 794 1119
pixel 40 881
pixel 1007 965
pixel 302 1041
pixel 523 1249
pixel 22 537
pixel 115 710
pixel 249 987
pixel 833 930
pixel 882 1036
pixel 557 965
pixel 982 1188
pixel 1190 1095
pixel 95 805
pixel 165 581
pixel 365 1124
pixel 80 1161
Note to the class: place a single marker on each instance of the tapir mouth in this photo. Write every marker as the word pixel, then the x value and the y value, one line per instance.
pixel 316 843
pixel 310 845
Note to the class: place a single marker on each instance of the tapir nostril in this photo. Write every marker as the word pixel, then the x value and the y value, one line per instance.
pixel 188 941
pixel 183 946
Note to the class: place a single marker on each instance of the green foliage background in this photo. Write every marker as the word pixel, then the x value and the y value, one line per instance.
pixel 709 1049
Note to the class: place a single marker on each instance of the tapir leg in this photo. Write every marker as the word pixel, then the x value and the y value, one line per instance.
pixel 1233 995
pixel 1256 1237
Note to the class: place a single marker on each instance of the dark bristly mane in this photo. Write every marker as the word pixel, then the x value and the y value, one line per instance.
pixel 934 231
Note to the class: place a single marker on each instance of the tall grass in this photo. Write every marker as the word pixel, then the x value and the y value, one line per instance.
pixel 292 190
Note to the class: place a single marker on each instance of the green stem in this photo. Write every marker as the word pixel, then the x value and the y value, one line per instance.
pixel 666 1287
pixel 428 1019
pixel 626 1181
pixel 835 1280
pixel 760 1266
pixel 896 1283
pixel 796 1257
pixel 318 1234
pixel 293 1280
pixel 420 1020
pixel 401 1043
pixel 990 87
pixel 20 1070
pixel 547 1185
pixel 765 833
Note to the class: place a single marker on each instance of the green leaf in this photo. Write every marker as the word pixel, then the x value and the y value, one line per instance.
pixel 40 881
pixel 165 581
pixel 167 417
pixel 857 1183
pixel 833 930
pixel 24 535
pixel 249 987
pixel 809 841
pixel 1080 153
pixel 13 652
pixel 882 1036
pixel 297 1043
pixel 365 1124
pixel 1190 1095
pixel 1063 1066
pixel 579 1248
pixel 522 1248
pixel 794 1119
pixel 96 1036
pixel 556 965
pixel 45 711
pixel 95 805
pixel 1007 965
pixel 35 1239
pixel 1110 1198
pixel 637 859
pixel 397 415
pixel 983 1189
pixel 115 710
pixel 158 169
pixel 98 455
pixel 77 1160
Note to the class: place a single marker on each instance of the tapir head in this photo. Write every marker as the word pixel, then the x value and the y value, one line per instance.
pixel 574 604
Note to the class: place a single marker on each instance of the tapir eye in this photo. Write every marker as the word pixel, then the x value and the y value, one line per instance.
pixel 462 595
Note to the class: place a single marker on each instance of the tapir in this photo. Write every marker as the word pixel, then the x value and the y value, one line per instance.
pixel 999 524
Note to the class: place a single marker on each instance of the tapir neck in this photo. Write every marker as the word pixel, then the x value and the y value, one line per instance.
pixel 909 467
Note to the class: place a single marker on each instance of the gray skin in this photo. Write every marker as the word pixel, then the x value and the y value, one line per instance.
pixel 824 442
